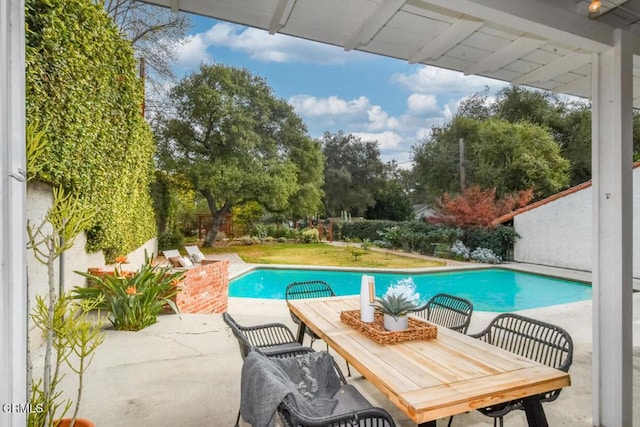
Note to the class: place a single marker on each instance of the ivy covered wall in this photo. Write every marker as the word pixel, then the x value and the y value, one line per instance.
pixel 83 87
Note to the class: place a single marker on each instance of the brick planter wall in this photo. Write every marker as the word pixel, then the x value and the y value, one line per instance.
pixel 205 288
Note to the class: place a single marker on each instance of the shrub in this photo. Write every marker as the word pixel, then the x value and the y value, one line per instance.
pixel 260 231
pixel 310 235
pixel 367 229
pixel 486 256
pixel 419 237
pixel 459 250
pixel 133 300
pixel 170 240
pixel 282 239
pixel 499 239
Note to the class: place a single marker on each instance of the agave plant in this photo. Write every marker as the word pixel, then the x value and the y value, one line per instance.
pixel 399 299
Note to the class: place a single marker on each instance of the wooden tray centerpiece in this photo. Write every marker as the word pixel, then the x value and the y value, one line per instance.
pixel 417 330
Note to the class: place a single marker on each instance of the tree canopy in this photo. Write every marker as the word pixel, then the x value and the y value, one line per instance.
pixel 156 34
pixel 234 142
pixel 352 175
pixel 506 156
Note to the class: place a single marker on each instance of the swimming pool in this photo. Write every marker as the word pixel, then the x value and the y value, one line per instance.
pixel 497 290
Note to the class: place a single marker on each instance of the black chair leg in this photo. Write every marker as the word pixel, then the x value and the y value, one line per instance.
pixel 237 424
pixel 450 421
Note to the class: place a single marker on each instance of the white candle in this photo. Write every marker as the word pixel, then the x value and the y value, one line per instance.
pixel 367 295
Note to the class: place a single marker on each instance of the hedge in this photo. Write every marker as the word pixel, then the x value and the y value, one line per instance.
pixel 82 85
pixel 418 236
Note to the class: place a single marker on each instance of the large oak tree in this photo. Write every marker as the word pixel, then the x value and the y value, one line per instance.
pixel 234 142
pixel 509 157
pixel 353 173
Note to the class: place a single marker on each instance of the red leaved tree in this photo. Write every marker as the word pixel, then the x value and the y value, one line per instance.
pixel 477 207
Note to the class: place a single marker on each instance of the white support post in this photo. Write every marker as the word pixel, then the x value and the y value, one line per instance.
pixel 13 289
pixel 612 233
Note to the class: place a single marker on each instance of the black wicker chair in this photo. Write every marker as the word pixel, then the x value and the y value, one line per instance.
pixel 268 338
pixel 352 410
pixel 449 311
pixel 271 339
pixel 310 289
pixel 367 416
pixel 530 338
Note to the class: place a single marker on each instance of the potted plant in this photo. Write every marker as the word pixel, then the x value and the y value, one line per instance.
pixel 71 334
pixel 77 336
pixel 399 300
pixel 133 300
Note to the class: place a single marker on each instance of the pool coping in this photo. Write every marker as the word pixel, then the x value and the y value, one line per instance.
pixel 251 267
pixel 574 275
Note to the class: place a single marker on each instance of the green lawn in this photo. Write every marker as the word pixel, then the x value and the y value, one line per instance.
pixel 319 254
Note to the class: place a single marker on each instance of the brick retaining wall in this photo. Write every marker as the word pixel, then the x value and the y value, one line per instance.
pixel 205 288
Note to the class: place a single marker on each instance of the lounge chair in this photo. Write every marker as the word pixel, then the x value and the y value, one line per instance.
pixel 194 254
pixel 530 338
pixel 176 259
pixel 171 253
pixel 449 311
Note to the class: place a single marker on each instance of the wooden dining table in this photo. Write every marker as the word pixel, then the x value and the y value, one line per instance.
pixel 433 378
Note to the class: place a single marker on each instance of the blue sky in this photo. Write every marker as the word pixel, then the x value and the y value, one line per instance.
pixel 374 97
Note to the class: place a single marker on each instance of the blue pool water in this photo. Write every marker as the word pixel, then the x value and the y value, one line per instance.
pixel 495 290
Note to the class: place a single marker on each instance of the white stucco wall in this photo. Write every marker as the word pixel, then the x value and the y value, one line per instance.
pixel 559 233
pixel 39 200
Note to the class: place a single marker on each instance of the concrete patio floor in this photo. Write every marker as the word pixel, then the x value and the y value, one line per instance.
pixel 186 370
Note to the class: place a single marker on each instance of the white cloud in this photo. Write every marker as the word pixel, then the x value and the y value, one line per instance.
pixel 423 133
pixel 358 116
pixel 438 80
pixel 193 52
pixel 420 103
pixel 333 111
pixel 379 119
pixel 261 46
pixel 386 140
pixel 311 106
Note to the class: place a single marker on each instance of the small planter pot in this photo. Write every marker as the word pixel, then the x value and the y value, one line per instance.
pixel 80 422
pixel 395 324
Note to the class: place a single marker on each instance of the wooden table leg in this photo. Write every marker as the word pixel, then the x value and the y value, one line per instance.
pixel 534 411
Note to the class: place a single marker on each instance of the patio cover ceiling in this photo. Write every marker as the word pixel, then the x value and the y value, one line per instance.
pixel 546 44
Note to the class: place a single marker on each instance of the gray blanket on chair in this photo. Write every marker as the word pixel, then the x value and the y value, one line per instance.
pixel 309 378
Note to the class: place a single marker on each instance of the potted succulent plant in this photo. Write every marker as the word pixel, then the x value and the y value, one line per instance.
pixel 399 300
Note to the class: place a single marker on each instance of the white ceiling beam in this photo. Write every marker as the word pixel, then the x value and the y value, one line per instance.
pixel 374 23
pixel 520 47
pixel 537 18
pixel 553 69
pixel 174 6
pixel 580 86
pixel 281 15
pixel 456 33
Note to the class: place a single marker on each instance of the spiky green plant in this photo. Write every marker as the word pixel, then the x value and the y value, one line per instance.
pixel 134 300
pixel 395 305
